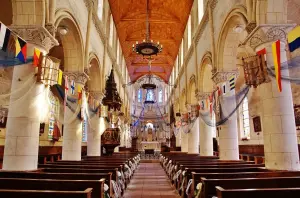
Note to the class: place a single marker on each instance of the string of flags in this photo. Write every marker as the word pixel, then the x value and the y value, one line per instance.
pixel 293 42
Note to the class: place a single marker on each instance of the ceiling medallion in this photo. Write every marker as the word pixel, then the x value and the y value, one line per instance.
pixel 147 47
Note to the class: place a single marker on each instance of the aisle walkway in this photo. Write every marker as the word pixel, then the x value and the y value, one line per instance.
pixel 150 180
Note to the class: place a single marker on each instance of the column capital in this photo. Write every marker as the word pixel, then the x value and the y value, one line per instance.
pixel 37 35
pixel 98 95
pixel 78 77
pixel 267 33
pixel 202 95
pixel 222 76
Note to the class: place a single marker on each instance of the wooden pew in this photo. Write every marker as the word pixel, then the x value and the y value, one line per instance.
pixel 87 193
pixel 183 180
pixel 209 185
pixel 263 192
pixel 197 176
pixel 53 184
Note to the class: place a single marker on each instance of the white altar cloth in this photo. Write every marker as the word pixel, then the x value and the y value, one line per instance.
pixel 150 145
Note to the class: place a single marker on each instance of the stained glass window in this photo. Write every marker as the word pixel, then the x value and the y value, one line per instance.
pixel 246 122
pixel 84 128
pixel 149 95
pixel 54 113
pixel 139 95
pixel 160 95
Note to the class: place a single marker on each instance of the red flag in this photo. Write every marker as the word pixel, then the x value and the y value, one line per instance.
pixel 66 92
pixel 277 63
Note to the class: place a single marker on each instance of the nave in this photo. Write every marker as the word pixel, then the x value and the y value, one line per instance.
pixel 150 180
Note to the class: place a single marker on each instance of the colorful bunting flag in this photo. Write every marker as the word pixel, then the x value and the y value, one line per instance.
pixel 232 83
pixel 59 77
pixel 262 52
pixel 277 63
pixel 66 92
pixel 73 87
pixel 5 34
pixel 224 89
pixel 294 39
pixel 36 57
pixel 21 49
pixel 79 94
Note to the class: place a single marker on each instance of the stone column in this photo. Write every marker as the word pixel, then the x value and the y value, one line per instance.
pixel 178 139
pixel 228 136
pixel 96 129
pixel 206 140
pixel 184 141
pixel 193 138
pixel 88 30
pixel 278 119
pixel 26 105
pixel 72 136
pixel 206 136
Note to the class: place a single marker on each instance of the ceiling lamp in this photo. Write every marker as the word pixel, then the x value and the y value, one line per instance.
pixel 147 47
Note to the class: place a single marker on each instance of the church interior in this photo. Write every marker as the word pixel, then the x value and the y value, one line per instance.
pixel 149 98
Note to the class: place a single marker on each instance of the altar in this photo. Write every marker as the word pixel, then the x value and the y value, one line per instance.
pixel 154 145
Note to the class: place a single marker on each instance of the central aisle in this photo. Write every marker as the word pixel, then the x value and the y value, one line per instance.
pixel 150 180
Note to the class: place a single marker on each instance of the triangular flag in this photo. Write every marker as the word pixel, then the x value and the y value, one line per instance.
pixel 60 76
pixel 262 52
pixel 36 57
pixel 277 63
pixel 232 83
pixel 21 49
pixel 294 39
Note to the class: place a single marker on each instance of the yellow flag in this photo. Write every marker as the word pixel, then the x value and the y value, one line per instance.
pixel 59 78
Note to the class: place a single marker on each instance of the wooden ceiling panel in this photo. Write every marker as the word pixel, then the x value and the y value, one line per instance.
pixel 167 19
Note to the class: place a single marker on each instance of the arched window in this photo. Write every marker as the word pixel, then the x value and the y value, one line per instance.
pixel 100 9
pixel 111 30
pixel 118 52
pixel 54 113
pixel 84 128
pixel 246 122
pixel 149 95
pixel 214 128
pixel 181 53
pixel 200 10
pixel 160 95
pixel 139 95
pixel 189 32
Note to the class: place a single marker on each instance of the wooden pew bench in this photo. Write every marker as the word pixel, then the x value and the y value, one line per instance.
pixel 263 192
pixel 209 185
pixel 197 176
pixel 45 193
pixel 53 184
pixel 183 181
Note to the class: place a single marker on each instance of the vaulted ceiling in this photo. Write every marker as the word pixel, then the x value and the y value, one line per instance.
pixel 167 19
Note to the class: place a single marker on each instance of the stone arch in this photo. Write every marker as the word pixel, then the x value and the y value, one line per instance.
pixel 192 90
pixel 71 44
pixel 229 39
pixel 94 72
pixel 206 83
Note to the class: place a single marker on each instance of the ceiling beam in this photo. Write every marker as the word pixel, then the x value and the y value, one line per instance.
pixel 152 65
pixel 151 20
pixel 140 39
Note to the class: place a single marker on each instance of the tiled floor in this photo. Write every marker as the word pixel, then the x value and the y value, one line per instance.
pixel 150 180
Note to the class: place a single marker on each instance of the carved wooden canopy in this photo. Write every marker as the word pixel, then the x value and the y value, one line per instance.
pixel 167 19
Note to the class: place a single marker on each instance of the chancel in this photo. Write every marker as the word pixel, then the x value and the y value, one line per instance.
pixel 149 98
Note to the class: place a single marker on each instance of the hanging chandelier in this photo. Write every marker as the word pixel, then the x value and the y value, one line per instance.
pixel 147 47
